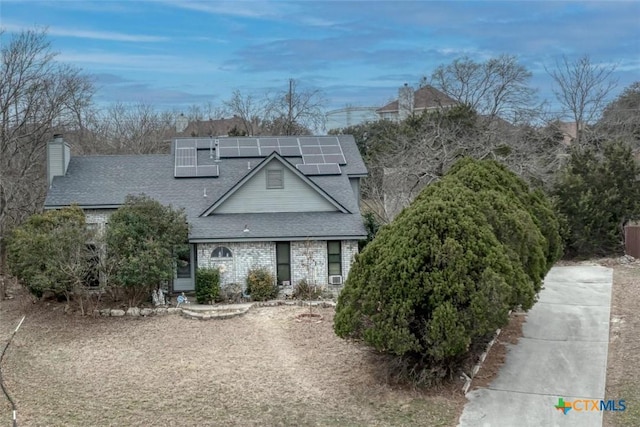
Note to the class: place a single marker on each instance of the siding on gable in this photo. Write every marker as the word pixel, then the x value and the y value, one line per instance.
pixel 296 196
pixel 55 160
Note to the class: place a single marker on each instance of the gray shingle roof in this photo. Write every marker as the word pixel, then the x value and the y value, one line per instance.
pixel 105 181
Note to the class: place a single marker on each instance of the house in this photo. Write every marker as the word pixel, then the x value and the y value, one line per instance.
pixel 289 204
pixel 409 102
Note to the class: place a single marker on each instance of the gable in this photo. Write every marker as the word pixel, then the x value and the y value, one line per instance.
pixel 288 192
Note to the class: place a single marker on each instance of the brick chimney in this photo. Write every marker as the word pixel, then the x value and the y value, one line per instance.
pixel 58 156
pixel 405 102
pixel 181 123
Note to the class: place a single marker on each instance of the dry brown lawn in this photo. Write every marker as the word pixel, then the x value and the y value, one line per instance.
pixel 623 364
pixel 262 369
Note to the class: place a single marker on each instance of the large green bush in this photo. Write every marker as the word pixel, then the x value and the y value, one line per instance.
pixel 444 274
pixel 207 285
pixel 596 194
pixel 491 175
pixel 261 284
pixel 141 239
pixel 50 252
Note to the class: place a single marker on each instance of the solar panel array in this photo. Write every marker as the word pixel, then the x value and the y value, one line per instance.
pixel 320 155
pixel 313 150
pixel 186 160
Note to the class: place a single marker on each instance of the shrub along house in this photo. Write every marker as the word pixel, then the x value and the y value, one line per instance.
pixel 289 204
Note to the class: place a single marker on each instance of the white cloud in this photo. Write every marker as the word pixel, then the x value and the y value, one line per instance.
pixel 236 8
pixel 103 60
pixel 89 34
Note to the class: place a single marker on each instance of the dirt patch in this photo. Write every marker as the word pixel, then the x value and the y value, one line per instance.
pixel 264 368
pixel 623 363
pixel 509 335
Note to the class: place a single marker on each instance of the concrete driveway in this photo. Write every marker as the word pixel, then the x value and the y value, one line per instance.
pixel 562 354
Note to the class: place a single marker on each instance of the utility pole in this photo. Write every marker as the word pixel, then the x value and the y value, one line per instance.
pixel 290 115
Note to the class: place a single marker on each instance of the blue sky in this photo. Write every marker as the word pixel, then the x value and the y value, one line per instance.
pixel 174 53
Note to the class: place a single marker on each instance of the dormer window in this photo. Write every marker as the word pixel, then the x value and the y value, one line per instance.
pixel 275 179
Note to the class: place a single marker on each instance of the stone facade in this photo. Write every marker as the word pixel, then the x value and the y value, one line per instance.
pixel 308 259
pixel 245 255
pixel 349 251
pixel 100 217
pixel 309 262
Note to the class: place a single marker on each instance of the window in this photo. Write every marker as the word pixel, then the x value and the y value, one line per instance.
pixel 283 261
pixel 334 258
pixel 183 261
pixel 92 275
pixel 221 252
pixel 275 179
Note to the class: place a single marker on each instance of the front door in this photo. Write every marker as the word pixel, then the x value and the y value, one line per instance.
pixel 185 271
pixel 283 261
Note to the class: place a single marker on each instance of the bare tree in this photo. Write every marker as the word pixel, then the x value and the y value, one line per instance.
pixel 420 150
pixel 37 94
pixel 621 117
pixel 247 108
pixel 496 87
pixel 582 89
pixel 297 109
pixel 205 111
pixel 133 129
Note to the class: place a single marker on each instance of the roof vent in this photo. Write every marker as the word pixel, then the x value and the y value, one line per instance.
pixel 204 192
pixel 248 165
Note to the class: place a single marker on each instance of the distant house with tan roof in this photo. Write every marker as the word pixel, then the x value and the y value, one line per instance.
pixel 415 102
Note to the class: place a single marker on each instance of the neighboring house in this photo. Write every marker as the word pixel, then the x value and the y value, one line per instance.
pixel 410 102
pixel 289 204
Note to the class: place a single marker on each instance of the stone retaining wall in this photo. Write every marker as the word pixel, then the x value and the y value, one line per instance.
pixel 161 311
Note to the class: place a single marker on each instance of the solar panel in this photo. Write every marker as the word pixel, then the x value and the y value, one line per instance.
pixel 331 149
pixel 268 142
pixel 288 142
pixel 229 151
pixel 319 169
pixel 290 151
pixel 308 141
pixel 313 158
pixel 329 169
pixel 228 142
pixel 185 156
pixel 330 140
pixel 310 149
pixel 207 171
pixel 248 143
pixel 185 171
pixel 308 169
pixel 249 152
